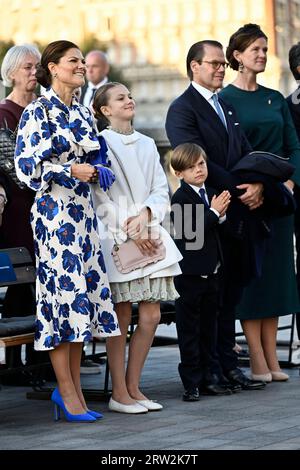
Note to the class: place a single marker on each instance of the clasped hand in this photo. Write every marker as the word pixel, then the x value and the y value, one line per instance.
pixel 84 172
pixel 136 227
pixel 93 173
pixel 220 203
pixel 253 195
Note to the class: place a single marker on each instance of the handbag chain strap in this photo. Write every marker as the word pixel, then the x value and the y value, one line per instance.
pixel 126 179
pixel 123 171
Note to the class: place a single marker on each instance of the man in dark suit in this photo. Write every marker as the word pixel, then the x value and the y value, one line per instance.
pixel 97 69
pixel 199 116
pixel 294 104
pixel 198 285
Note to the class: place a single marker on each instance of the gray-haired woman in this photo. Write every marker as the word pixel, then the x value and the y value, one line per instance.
pixel 18 72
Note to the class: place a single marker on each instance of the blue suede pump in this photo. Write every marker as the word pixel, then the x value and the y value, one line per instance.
pixel 59 405
pixel 95 414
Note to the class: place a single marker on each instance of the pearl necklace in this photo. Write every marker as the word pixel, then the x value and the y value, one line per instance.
pixel 119 131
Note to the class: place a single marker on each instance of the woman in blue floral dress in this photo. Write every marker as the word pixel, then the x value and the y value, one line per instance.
pixel 56 140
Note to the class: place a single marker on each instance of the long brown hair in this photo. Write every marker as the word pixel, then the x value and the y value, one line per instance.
pixel 53 53
pixel 101 99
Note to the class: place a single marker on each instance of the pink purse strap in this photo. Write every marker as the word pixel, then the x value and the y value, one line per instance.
pixel 125 177
pixel 122 169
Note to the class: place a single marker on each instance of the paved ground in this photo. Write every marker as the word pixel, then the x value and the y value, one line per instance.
pixel 268 419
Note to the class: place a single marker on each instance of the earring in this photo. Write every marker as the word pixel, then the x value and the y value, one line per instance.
pixel 241 67
pixel 54 75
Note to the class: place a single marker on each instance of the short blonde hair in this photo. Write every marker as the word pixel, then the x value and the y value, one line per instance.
pixel 185 155
pixel 13 59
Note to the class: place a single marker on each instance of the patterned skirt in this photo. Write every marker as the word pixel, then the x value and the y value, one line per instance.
pixel 144 290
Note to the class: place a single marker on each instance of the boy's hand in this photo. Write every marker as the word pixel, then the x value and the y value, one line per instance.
pixel 220 203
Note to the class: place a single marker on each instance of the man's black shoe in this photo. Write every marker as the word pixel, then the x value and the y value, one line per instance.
pixel 211 385
pixel 234 387
pixel 191 395
pixel 214 389
pixel 236 376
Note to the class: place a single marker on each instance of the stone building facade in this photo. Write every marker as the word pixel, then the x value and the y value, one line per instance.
pixel 149 39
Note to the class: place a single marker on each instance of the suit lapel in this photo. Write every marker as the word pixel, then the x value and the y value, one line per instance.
pixel 190 192
pixel 207 112
pixel 195 198
pixel 230 128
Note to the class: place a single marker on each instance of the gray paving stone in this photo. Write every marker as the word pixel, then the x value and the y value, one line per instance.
pixel 231 447
pixel 283 445
pixel 198 444
pixel 268 419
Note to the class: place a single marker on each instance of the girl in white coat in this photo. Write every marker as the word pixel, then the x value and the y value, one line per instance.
pixel 121 218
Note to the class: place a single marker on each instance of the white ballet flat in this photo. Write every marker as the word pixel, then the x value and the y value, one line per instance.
pixel 279 376
pixel 136 408
pixel 263 377
pixel 150 405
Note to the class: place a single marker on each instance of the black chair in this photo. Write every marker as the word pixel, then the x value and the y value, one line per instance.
pixel 17 329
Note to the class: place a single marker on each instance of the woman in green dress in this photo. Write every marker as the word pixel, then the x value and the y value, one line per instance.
pixel 266 120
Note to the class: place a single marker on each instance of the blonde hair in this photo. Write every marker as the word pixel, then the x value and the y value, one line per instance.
pixel 186 155
pixel 13 60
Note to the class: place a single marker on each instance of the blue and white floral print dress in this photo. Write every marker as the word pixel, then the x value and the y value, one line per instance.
pixel 73 296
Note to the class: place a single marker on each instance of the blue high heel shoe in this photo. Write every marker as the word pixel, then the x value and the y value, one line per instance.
pixel 95 414
pixel 59 405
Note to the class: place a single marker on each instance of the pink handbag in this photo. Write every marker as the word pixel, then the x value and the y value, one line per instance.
pixel 127 256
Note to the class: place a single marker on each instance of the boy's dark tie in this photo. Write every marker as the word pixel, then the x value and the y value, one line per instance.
pixel 204 197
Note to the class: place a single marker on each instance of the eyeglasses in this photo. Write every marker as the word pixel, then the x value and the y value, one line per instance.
pixel 215 64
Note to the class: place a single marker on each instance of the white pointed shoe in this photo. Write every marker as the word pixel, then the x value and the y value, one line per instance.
pixel 263 377
pixel 136 408
pixel 279 376
pixel 150 405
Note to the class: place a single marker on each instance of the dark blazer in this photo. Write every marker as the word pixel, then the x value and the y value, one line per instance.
pixel 191 118
pixel 295 109
pixel 83 92
pixel 202 261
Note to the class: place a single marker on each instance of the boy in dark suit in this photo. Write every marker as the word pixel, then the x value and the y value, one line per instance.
pixel 198 285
